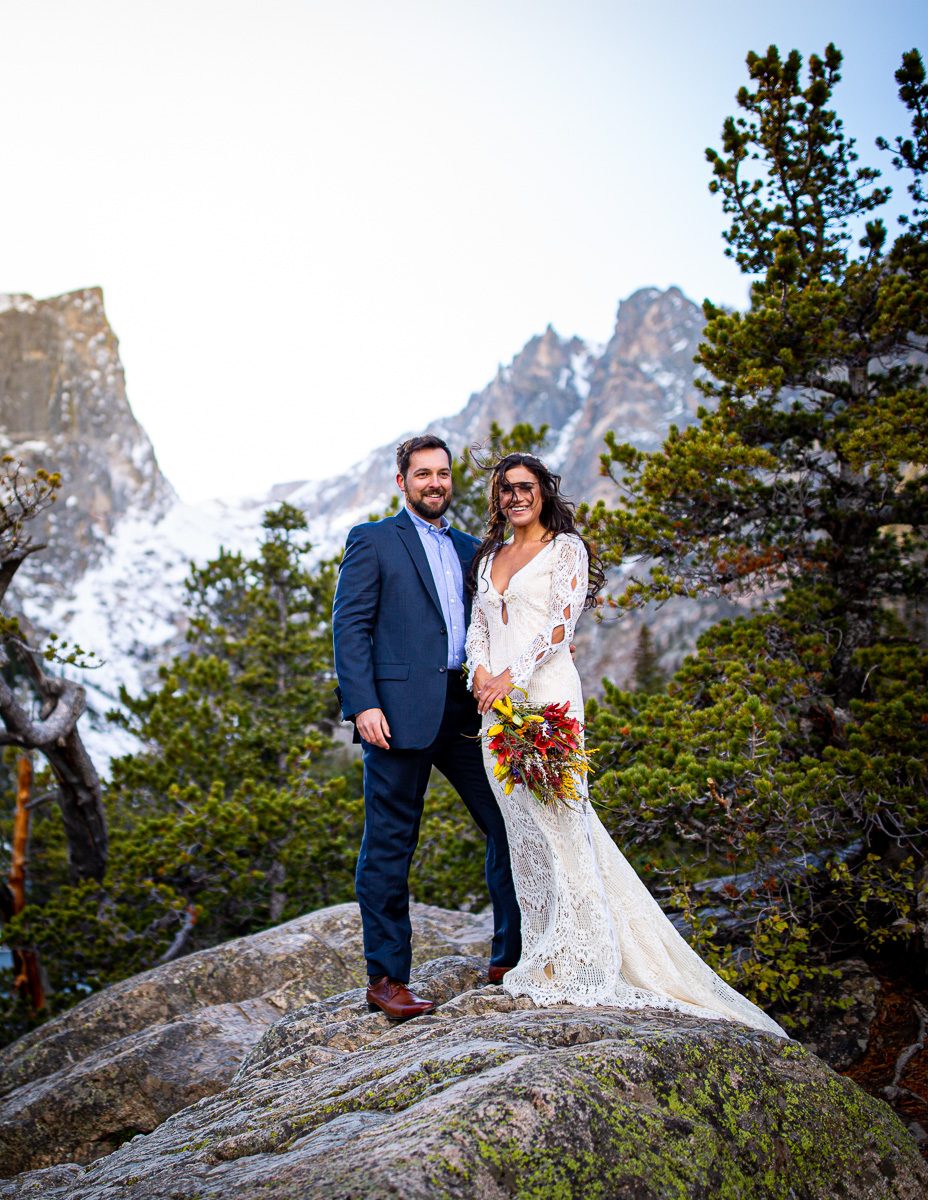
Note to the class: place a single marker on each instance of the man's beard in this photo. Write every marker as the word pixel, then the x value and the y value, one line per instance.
pixel 421 505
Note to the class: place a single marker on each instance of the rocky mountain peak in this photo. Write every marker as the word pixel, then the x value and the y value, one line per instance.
pixel 652 325
pixel 640 384
pixel 63 406
pixel 544 384
pixel 112 577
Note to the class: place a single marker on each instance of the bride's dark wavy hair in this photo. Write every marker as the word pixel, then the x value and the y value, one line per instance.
pixel 557 516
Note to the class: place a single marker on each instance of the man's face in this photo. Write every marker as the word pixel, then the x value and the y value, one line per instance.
pixel 428 483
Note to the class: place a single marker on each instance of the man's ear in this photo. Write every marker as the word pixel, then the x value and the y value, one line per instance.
pixel 401 483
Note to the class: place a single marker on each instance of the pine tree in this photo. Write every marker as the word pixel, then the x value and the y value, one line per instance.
pixel 801 476
pixel 647 674
pixel 778 790
pixel 47 721
pixel 254 692
pixel 229 818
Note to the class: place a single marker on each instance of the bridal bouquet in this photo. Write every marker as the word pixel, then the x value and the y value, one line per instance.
pixel 539 748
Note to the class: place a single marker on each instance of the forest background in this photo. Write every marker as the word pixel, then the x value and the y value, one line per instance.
pixel 773 793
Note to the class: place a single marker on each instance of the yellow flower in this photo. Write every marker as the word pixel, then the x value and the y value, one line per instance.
pixel 503 705
pixel 494 730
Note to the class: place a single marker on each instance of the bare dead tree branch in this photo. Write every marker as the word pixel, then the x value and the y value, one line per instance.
pixel 179 946
pixel 62 701
pixel 11 565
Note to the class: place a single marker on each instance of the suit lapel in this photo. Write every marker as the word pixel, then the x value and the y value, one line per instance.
pixel 409 536
pixel 464 546
pixel 465 549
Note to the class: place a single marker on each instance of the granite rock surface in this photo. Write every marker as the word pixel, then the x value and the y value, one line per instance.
pixel 489 1097
pixel 122 1061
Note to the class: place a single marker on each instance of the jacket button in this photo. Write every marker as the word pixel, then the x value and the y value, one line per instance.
pixel 443 631
pixel 441 670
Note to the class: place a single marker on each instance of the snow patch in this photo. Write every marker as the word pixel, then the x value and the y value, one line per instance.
pixel 562 446
pixel 129 607
pixel 582 366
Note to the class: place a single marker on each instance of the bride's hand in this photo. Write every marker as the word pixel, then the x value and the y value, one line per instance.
pixel 480 676
pixel 494 688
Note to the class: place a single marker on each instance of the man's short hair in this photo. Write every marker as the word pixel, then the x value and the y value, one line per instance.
pixel 405 450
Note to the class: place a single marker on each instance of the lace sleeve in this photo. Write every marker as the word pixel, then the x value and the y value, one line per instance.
pixel 477 643
pixel 568 594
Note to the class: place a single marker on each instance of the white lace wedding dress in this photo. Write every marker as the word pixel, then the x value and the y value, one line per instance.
pixel 591 932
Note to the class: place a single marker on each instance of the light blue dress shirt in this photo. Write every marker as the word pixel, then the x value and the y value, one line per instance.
pixel 449 581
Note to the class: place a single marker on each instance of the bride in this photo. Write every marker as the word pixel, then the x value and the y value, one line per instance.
pixel 591 932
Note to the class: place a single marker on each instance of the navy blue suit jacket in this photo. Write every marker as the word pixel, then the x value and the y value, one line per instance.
pixel 391 644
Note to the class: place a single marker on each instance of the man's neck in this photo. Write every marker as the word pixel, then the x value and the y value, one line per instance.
pixel 436 521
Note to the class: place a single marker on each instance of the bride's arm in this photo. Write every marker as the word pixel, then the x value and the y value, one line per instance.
pixel 568 595
pixel 477 645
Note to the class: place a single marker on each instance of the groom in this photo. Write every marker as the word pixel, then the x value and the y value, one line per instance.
pixel 399 621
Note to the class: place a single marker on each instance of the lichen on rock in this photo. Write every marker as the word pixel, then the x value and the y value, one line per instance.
pixel 489 1097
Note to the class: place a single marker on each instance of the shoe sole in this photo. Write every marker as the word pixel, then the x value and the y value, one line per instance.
pixel 375 1008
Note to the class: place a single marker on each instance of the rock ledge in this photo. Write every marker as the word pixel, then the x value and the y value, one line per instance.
pixel 489 1097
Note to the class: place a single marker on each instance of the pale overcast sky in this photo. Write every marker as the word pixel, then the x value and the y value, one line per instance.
pixel 319 224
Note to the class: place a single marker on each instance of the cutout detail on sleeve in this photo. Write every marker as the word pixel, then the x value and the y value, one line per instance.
pixel 568 594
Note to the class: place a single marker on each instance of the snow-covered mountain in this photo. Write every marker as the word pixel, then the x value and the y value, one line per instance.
pixel 638 384
pixel 63 406
pixel 120 543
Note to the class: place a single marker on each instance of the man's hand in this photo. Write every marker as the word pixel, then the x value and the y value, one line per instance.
pixel 372 726
pixel 495 687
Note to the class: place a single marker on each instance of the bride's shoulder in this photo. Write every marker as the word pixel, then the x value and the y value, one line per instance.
pixel 570 543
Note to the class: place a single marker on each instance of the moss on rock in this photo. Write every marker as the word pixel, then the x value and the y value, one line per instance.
pixel 489 1098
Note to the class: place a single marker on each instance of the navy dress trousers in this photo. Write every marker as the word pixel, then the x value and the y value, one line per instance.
pixel 393 647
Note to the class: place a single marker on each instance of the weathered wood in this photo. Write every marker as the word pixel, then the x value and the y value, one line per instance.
pixel 54 734
pixel 28 972
pixel 21 833
pixel 181 943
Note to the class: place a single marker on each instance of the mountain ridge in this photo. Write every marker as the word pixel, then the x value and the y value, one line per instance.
pixel 638 384
pixel 121 541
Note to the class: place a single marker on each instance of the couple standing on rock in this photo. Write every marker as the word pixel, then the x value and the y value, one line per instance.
pixel 418 599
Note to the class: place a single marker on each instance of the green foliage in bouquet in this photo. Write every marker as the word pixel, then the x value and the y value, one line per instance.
pixel 789 754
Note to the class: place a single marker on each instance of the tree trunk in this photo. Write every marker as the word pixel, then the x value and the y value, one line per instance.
pixel 80 795
pixel 28 975
pixel 21 833
pixel 852 577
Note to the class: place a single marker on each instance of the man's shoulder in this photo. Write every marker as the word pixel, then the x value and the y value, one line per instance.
pixel 374 529
pixel 466 539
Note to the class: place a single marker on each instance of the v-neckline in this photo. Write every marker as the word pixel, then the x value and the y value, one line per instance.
pixel 524 567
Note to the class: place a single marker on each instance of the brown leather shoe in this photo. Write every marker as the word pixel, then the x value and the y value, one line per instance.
pixel 497 974
pixel 396 1000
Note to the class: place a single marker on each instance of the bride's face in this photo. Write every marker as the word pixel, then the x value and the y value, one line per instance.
pixel 520 497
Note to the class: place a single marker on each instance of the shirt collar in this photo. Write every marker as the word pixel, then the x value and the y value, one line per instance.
pixel 427 525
